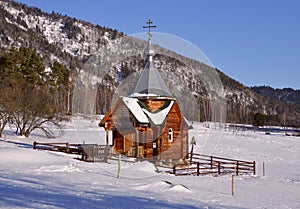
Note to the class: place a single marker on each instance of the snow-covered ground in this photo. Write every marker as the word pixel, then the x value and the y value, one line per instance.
pixel 42 179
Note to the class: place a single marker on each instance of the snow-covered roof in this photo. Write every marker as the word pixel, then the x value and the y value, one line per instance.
pixel 144 116
pixel 135 109
pixel 139 95
pixel 159 117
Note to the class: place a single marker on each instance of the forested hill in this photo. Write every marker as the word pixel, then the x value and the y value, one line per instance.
pixel 59 40
pixel 55 36
pixel 285 94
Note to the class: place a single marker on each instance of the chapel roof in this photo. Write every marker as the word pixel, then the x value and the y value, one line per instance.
pixel 143 115
pixel 150 82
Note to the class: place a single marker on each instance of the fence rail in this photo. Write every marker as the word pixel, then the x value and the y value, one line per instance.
pixel 88 152
pixel 204 164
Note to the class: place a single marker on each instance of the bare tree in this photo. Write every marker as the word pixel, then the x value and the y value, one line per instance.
pixel 30 97
pixel 3 121
pixel 4 115
pixel 33 108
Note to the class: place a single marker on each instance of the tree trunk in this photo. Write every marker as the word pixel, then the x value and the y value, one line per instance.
pixel 27 134
pixel 2 128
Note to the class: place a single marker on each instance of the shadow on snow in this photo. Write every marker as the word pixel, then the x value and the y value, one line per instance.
pixel 38 196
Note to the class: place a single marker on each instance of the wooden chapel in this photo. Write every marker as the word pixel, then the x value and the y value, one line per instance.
pixel 148 123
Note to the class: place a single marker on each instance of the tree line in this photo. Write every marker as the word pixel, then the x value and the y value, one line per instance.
pixel 35 97
pixel 31 95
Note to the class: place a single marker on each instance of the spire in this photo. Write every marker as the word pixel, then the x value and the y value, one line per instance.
pixel 150 82
pixel 149 52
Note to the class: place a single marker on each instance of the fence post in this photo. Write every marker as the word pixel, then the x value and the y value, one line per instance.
pixel 82 154
pixel 174 170
pixel 211 162
pixel 106 153
pixel 219 168
pixel 237 168
pixel 119 166
pixel 232 185
pixel 188 169
pixel 93 153
pixel 67 147
pixel 198 168
pixel 34 145
pixel 264 169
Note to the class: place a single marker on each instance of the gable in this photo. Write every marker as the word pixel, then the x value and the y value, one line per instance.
pixel 135 109
pixel 158 117
pixel 127 108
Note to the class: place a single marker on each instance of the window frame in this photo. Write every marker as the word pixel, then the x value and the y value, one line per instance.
pixel 170 135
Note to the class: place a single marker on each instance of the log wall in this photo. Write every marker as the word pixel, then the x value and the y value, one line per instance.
pixel 124 127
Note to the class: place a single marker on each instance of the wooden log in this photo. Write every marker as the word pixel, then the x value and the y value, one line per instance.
pixel 220 158
pixel 246 169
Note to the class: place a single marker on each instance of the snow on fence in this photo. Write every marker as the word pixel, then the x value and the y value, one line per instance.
pixel 204 164
pixel 88 152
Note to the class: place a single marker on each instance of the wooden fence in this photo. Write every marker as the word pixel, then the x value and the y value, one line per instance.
pixel 204 164
pixel 88 152
pixel 95 153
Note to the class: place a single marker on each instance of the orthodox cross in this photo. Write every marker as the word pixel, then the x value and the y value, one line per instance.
pixel 148 51
pixel 149 26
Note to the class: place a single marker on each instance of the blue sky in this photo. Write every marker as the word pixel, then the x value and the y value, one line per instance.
pixel 256 42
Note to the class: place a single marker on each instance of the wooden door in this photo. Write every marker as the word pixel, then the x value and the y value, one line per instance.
pixel 155 147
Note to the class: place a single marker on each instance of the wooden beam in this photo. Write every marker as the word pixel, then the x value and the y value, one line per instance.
pixel 124 144
pixel 107 136
pixel 136 143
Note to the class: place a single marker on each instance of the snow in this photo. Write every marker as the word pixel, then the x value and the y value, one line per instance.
pixel 159 117
pixel 43 179
pixel 48 70
pixel 83 45
pixel 135 94
pixel 135 109
pixel 22 27
pixel 163 186
pixel 143 115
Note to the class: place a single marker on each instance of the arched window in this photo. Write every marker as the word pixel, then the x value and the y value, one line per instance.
pixel 170 135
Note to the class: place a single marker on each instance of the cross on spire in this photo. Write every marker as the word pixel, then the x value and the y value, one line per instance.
pixel 149 26
pixel 148 51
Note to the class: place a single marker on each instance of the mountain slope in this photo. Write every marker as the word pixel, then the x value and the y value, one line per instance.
pixel 285 94
pixel 73 42
pixel 63 37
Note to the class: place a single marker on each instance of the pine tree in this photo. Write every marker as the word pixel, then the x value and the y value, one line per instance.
pixel 259 119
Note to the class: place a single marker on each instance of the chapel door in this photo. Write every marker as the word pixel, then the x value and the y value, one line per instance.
pixel 155 147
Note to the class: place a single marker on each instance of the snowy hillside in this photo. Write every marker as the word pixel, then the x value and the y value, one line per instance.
pixel 43 179
pixel 76 37
pixel 73 42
